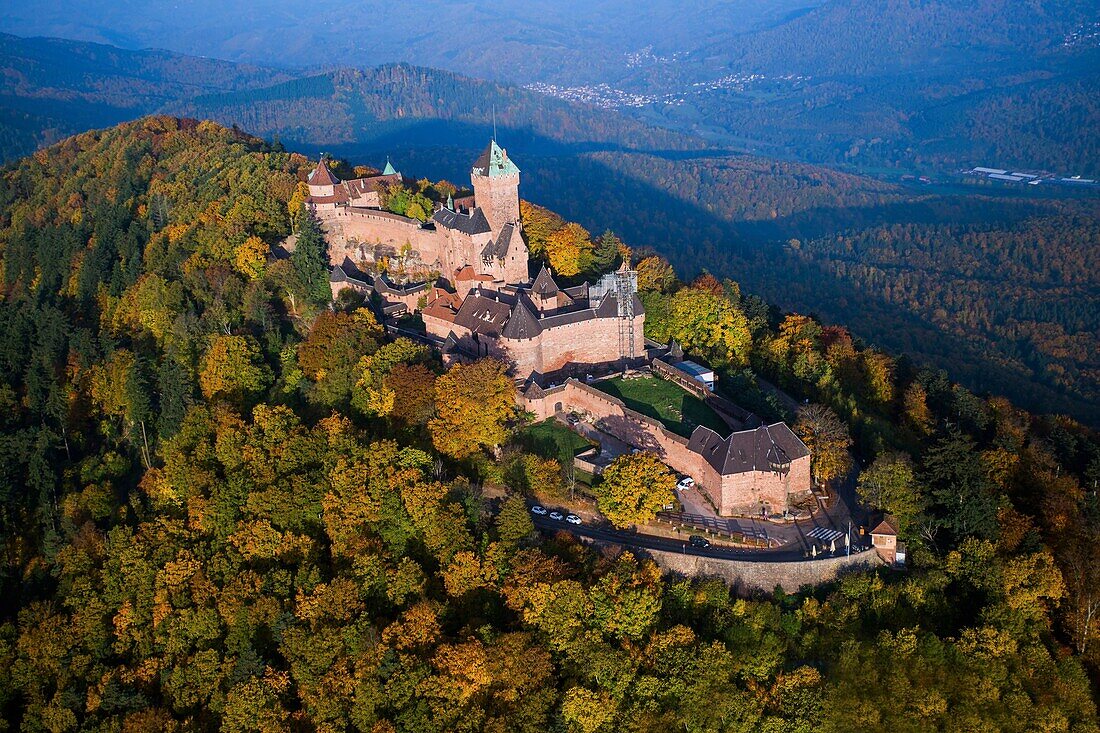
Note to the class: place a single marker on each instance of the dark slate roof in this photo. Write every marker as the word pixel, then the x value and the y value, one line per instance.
pixel 347 272
pixel 482 315
pixel 564 319
pixel 523 323
pixel 675 353
pixel 474 223
pixel 500 247
pixel 322 176
pixel 544 284
pixel 748 450
pixel 577 292
pixel 534 391
pixel 384 286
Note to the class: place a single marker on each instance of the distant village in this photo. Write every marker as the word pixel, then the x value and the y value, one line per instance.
pixel 479 295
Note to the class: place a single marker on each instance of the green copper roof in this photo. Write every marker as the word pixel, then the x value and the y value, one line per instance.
pixel 494 162
pixel 389 170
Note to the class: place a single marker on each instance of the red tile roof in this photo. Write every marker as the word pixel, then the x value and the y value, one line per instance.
pixel 322 176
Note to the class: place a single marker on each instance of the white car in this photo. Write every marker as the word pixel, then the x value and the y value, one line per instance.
pixel 687 482
pixel 572 519
pixel 557 516
pixel 539 510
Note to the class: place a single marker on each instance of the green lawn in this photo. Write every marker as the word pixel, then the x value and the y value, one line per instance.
pixel 551 439
pixel 680 411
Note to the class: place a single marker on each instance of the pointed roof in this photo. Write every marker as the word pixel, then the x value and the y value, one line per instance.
pixel 322 176
pixel 674 351
pixel 494 162
pixel 389 170
pixel 888 526
pixel 523 323
pixel 544 285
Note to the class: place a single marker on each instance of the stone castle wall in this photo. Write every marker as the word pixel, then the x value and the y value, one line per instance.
pixel 732 494
pixel 578 346
pixel 751 577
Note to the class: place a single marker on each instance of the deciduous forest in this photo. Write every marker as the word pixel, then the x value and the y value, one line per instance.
pixel 226 504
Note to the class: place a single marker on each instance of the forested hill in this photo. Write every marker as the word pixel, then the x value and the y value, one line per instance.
pixel 409 105
pixel 860 38
pixel 227 506
pixel 52 88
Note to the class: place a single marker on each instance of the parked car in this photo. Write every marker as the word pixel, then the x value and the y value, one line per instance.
pixel 687 482
pixel 557 516
pixel 572 418
pixel 572 519
pixel 538 509
pixel 699 541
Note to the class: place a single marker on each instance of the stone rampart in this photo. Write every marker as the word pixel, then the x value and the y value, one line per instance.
pixel 749 577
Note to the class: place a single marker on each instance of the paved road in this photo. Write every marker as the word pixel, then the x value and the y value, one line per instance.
pixel 631 539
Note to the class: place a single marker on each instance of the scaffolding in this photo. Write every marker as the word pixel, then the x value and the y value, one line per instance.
pixel 622 284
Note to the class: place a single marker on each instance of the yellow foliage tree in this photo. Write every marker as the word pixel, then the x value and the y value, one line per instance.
pixel 251 258
pixel 634 488
pixel 473 403
pixel 569 250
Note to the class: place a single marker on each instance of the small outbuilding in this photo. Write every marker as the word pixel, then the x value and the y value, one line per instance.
pixel 884 538
pixel 698 372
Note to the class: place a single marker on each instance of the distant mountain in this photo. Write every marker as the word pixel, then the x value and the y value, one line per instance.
pixel 402 105
pixel 915 85
pixel 565 41
pixel 52 88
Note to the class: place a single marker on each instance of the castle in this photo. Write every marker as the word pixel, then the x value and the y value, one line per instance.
pixel 486 237
pixel 490 305
pixel 477 298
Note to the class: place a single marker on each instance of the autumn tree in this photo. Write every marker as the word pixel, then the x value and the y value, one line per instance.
pixel 233 369
pixel 251 257
pixel 539 224
pixel 890 485
pixel 915 409
pixel 569 250
pixel 655 274
pixel 331 353
pixel 372 393
pixel 413 387
pixel 879 370
pixel 474 403
pixel 710 325
pixel 826 436
pixel 634 488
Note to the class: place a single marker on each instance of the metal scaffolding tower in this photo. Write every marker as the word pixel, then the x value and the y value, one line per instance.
pixel 623 284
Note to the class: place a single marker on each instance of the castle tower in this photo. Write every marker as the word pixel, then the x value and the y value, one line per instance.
pixel 496 187
pixel 321 181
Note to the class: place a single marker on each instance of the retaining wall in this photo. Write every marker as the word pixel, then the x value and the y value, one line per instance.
pixel 750 577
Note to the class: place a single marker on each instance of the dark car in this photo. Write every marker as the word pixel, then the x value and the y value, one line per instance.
pixel 699 541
